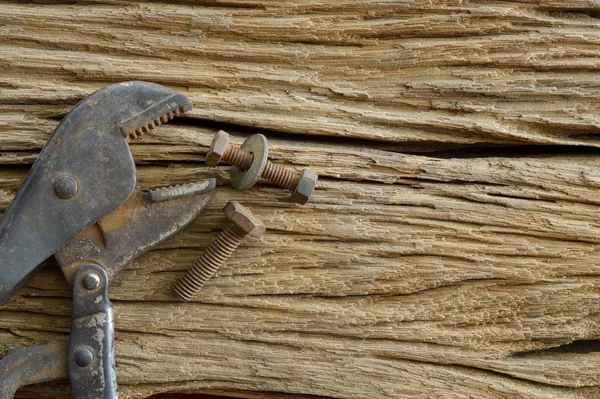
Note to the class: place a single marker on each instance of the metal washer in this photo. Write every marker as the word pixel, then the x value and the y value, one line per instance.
pixel 256 144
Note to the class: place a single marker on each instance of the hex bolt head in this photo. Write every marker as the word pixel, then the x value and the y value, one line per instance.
pixel 217 148
pixel 306 186
pixel 65 187
pixel 83 357
pixel 244 220
pixel 91 281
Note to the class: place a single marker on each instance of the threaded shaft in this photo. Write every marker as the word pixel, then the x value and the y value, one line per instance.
pixel 234 155
pixel 207 264
pixel 283 177
pixel 276 174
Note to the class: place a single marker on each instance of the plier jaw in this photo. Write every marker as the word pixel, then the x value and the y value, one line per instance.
pixel 139 224
pixel 80 203
pixel 84 171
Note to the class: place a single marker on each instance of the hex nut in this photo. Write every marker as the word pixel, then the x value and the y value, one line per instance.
pixel 306 186
pixel 243 219
pixel 217 148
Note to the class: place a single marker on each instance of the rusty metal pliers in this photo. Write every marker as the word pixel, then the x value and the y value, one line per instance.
pixel 81 203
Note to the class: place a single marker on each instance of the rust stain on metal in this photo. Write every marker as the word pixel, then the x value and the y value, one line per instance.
pixel 123 214
pixel 130 230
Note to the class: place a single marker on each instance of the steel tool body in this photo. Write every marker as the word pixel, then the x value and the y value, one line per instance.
pixel 81 204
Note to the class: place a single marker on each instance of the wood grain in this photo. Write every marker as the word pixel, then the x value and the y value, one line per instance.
pixel 451 249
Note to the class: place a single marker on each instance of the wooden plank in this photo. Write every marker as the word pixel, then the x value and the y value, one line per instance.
pixel 451 249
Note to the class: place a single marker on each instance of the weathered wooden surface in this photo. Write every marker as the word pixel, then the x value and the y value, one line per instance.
pixel 451 249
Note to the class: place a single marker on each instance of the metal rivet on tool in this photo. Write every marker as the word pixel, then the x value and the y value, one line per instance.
pixel 84 357
pixel 91 281
pixel 65 187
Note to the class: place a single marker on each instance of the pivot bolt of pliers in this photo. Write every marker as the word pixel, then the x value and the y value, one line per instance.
pixel 84 357
pixel 91 281
pixel 302 184
pixel 242 223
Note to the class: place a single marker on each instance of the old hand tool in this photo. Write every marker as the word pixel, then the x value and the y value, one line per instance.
pixel 80 203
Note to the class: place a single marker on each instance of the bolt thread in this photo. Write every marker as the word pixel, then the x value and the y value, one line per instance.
pixel 283 177
pixel 209 262
pixel 276 174
pixel 238 157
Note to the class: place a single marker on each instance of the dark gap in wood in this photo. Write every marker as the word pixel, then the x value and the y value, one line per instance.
pixel 575 347
pixel 406 147
pixel 19 167
pixel 432 149
pixel 520 151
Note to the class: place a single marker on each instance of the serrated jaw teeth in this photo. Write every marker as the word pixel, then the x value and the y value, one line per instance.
pixel 138 133
pixel 177 191
pixel 155 115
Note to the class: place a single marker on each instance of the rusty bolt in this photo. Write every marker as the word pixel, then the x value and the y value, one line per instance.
pixel 242 223
pixel 222 150
pixel 302 184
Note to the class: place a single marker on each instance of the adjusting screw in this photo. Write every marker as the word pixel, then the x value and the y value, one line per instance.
pixel 302 184
pixel 242 223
